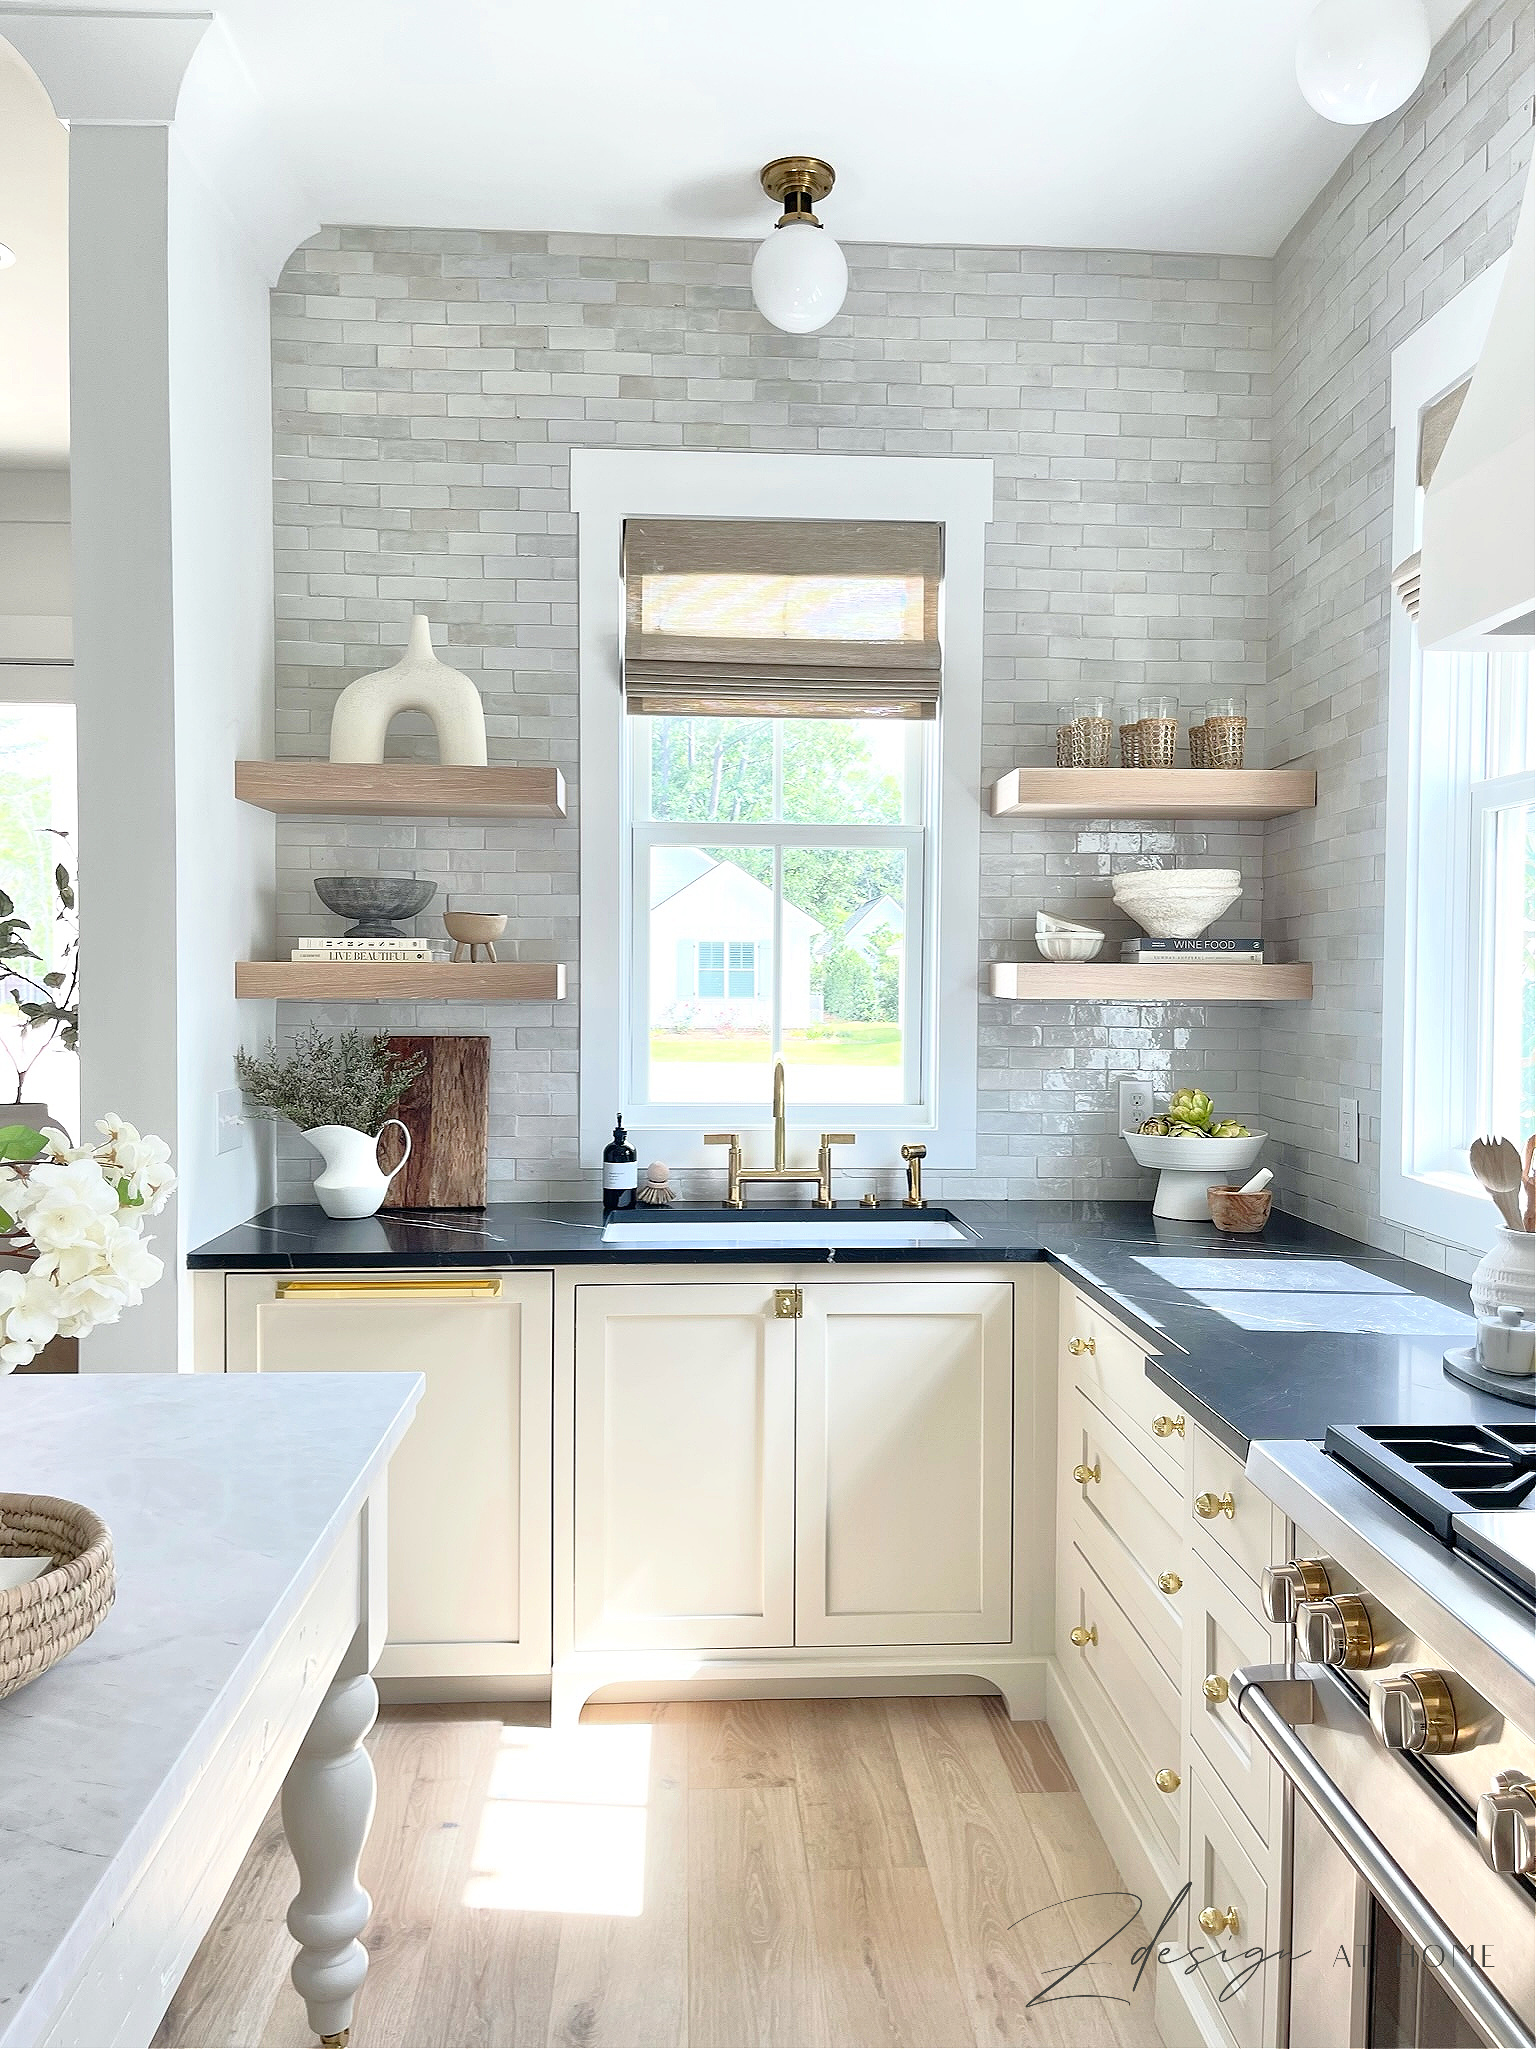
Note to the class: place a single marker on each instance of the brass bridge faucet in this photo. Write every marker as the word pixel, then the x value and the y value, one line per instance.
pixel 736 1174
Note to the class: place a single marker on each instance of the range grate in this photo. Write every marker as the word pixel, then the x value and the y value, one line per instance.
pixel 1440 1473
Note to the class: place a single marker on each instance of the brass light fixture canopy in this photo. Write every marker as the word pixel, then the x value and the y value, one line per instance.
pixel 796 183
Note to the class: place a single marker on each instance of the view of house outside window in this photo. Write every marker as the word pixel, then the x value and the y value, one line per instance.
pixel 792 923
pixel 37 827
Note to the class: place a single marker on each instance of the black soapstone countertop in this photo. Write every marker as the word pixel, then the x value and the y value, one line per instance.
pixel 1241 1385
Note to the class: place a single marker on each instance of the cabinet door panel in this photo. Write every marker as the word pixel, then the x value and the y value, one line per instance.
pixel 905 1458
pixel 469 1531
pixel 684 1467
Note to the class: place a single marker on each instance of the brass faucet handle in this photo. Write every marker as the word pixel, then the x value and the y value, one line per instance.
pixel 722 1138
pixel 839 1138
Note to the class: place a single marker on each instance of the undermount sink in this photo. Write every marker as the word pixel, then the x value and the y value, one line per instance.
pixel 801 1227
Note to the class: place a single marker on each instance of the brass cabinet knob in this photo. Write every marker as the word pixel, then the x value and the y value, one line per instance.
pixel 1167 1781
pixel 1209 1506
pixel 1077 1346
pixel 1414 1711
pixel 1218 1920
pixel 1167 1426
pixel 1335 1631
pixel 1285 1587
pixel 1082 1636
pixel 1215 1689
pixel 1083 1474
pixel 1168 1583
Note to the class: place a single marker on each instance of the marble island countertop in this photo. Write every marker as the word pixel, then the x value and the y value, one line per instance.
pixel 1224 1329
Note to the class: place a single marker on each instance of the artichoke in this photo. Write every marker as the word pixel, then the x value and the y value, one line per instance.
pixel 1190 1106
pixel 1230 1128
pixel 1187 1131
pixel 1155 1127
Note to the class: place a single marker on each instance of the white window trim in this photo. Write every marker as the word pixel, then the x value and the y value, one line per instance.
pixel 610 486
pixel 1445 1206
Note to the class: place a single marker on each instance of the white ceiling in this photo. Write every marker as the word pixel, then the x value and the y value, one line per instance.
pixel 1130 124
pixel 34 291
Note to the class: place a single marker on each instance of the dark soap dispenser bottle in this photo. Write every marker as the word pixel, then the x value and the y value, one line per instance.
pixel 621 1176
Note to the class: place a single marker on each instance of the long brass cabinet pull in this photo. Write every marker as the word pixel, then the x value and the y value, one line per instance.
pixel 471 1288
pixel 1083 1474
pixel 1209 1506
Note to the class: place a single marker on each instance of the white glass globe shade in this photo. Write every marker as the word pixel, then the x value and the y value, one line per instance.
pixel 1360 59
pixel 799 278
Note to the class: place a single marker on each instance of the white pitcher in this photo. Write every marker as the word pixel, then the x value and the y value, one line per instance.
pixel 352 1183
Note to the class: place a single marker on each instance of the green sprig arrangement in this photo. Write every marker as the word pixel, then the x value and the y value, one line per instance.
pixel 352 1078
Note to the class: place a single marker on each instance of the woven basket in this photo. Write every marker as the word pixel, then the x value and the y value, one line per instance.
pixel 43 1621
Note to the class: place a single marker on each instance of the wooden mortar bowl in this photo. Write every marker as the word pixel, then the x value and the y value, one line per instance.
pixel 474 928
pixel 1233 1211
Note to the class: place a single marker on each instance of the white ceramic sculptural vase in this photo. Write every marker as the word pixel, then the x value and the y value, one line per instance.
pixel 352 1183
pixel 417 682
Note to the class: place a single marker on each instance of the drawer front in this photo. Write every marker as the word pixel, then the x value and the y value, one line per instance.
pixel 1225 1878
pixel 1128 1521
pixel 1125 1692
pixel 1220 1636
pixel 1230 1514
pixel 1113 1375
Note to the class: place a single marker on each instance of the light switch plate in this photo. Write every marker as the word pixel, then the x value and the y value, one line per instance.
pixel 1349 1128
pixel 229 1121
pixel 1135 1104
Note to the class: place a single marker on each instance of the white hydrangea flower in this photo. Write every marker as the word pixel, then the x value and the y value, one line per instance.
pixel 65 1205
pixel 144 1163
pixel 28 1317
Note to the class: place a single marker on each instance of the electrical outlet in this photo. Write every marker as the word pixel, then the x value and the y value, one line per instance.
pixel 1349 1128
pixel 229 1121
pixel 1135 1104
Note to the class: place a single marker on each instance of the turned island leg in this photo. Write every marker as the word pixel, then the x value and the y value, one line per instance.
pixel 327 1809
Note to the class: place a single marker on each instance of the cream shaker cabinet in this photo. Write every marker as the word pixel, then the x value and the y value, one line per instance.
pixel 761 1467
pixel 469 1488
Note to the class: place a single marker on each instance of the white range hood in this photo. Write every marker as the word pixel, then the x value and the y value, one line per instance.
pixel 1477 575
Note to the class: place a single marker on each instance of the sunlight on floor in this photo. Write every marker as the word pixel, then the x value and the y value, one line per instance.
pixel 563 1828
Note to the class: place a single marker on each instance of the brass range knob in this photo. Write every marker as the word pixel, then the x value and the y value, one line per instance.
pixel 1168 1426
pixel 1215 1688
pixel 1285 1587
pixel 1167 1781
pixel 1414 1711
pixel 1083 1636
pixel 1077 1346
pixel 1168 1583
pixel 1209 1506
pixel 1506 1824
pixel 1084 1475
pixel 1218 1920
pixel 1335 1631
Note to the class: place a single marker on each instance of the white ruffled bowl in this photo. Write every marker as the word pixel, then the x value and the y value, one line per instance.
pixel 1176 903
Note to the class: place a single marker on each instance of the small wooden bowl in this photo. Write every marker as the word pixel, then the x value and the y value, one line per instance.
pixel 473 930
pixel 1231 1210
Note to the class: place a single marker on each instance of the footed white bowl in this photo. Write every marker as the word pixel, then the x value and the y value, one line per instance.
pixel 1068 945
pixel 1189 1166
pixel 1176 903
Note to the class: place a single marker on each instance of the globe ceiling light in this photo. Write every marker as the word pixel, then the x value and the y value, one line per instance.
pixel 1360 59
pixel 799 275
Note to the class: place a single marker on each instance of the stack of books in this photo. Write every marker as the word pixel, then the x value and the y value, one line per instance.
pixel 1204 951
pixel 372 951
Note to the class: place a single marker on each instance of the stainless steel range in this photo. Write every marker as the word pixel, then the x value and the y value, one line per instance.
pixel 1405 1727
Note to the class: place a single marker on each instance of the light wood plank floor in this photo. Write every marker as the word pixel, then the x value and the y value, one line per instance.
pixel 840 1872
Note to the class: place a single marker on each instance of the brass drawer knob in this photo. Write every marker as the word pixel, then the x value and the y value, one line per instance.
pixel 1082 1636
pixel 1167 1782
pixel 1083 1474
pixel 1218 1920
pixel 1167 1426
pixel 1215 1688
pixel 1077 1346
pixel 1168 1583
pixel 1209 1506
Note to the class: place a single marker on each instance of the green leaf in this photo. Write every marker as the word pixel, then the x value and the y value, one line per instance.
pixel 20 1142
pixel 6 905
pixel 126 1197
pixel 7 1221
pixel 55 980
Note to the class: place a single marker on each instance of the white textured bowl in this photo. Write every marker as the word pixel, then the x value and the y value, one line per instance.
pixel 1218 1156
pixel 1177 903
pixel 1068 945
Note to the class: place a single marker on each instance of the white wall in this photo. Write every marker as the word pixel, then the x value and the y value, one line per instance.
pixel 34 569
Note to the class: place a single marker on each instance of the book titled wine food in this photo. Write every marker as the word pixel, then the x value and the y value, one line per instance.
pixel 1203 951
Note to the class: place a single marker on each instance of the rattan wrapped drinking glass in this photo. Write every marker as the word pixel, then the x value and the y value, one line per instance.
pixel 43 1621
pixel 1199 753
pixel 1224 741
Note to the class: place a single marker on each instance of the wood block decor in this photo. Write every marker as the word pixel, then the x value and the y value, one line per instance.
pixel 446 1110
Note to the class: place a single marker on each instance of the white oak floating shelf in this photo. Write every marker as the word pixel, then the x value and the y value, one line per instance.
pixel 400 789
pixel 435 981
pixel 1153 792
pixel 1112 982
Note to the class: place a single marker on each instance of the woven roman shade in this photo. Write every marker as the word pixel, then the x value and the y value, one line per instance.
pixel 773 618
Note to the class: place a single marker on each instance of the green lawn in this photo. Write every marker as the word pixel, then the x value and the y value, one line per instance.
pixel 849 1045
